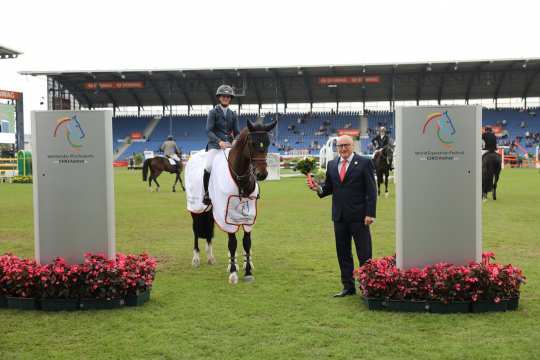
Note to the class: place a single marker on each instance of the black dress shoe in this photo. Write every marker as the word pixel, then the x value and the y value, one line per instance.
pixel 345 292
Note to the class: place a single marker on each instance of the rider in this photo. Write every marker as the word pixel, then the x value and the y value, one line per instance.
pixel 380 141
pixel 221 127
pixel 490 140
pixel 170 149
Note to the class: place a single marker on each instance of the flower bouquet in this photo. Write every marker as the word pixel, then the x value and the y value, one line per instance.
pixel 306 166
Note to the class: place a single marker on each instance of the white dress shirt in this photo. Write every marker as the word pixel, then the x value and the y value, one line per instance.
pixel 349 159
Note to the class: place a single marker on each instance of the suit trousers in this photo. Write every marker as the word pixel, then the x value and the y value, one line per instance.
pixel 362 241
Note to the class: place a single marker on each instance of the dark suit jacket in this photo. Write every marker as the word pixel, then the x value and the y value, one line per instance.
pixel 220 127
pixel 355 197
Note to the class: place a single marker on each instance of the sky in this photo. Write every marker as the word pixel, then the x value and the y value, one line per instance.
pixel 158 34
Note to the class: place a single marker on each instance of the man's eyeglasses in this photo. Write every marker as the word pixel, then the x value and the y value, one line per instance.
pixel 343 145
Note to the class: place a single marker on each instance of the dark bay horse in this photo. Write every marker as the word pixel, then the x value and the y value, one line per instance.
pixel 383 164
pixel 491 168
pixel 157 165
pixel 247 165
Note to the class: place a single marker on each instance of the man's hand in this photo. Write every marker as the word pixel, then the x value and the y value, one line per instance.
pixel 224 145
pixel 368 220
pixel 312 184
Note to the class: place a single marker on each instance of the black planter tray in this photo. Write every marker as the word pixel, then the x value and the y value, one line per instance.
pixel 488 306
pixel 3 302
pixel 512 304
pixel 438 307
pixel 407 305
pixel 374 303
pixel 22 303
pixel 99 304
pixel 139 299
pixel 51 304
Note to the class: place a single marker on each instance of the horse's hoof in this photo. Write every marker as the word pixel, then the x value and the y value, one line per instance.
pixel 157 189
pixel 173 190
pixel 196 261
pixel 386 194
pixel 211 260
pixel 249 278
pixel 233 278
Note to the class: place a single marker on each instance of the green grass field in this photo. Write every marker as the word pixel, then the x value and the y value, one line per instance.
pixel 288 313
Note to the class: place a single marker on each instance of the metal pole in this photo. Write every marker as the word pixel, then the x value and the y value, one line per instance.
pixel 276 115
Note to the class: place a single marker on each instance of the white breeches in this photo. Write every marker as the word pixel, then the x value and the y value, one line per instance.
pixel 210 155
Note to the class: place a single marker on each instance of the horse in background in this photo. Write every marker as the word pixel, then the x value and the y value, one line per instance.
pixel 491 168
pixel 157 165
pixel 383 165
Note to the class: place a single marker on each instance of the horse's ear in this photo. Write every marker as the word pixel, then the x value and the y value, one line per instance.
pixel 270 126
pixel 250 125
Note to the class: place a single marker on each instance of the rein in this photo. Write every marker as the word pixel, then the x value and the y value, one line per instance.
pixel 250 171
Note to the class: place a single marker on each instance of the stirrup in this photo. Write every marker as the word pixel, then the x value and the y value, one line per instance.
pixel 206 199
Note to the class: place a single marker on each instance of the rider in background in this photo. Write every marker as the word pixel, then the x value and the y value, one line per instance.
pixel 221 127
pixel 170 149
pixel 490 140
pixel 379 142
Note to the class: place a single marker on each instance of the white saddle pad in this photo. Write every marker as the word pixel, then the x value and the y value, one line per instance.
pixel 230 211
pixel 194 183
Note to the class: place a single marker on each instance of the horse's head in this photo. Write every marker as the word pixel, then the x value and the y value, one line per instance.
pixel 447 125
pixel 387 154
pixel 258 141
pixel 75 129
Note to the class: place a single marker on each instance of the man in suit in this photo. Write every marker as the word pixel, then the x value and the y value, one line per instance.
pixel 351 182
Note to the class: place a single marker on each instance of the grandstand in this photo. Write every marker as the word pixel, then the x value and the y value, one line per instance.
pixel 177 92
pixel 308 131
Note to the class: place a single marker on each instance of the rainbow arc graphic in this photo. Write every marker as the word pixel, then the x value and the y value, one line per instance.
pixel 73 131
pixel 445 129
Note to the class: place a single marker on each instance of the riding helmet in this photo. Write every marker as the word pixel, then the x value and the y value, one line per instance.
pixel 226 90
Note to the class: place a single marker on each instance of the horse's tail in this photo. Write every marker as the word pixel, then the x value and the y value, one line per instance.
pixel 203 225
pixel 146 165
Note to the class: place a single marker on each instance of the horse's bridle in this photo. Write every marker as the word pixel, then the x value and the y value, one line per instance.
pixel 250 172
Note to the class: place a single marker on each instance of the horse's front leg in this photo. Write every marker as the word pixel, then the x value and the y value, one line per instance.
pixel 386 184
pixel 210 252
pixel 378 185
pixel 175 182
pixel 181 182
pixel 196 261
pixel 248 264
pixel 233 270
pixel 496 180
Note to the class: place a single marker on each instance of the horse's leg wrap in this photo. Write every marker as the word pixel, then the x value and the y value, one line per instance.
pixel 232 268
pixel 248 264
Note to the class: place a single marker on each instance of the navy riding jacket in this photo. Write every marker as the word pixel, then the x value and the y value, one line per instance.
pixel 220 127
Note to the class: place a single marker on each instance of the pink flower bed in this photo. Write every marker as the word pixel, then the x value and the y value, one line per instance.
pixel 484 281
pixel 97 277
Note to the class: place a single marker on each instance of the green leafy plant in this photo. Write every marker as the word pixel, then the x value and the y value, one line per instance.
pixel 21 180
pixel 138 158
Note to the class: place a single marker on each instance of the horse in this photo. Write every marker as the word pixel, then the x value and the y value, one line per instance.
pixel 491 168
pixel 383 164
pixel 157 165
pixel 245 164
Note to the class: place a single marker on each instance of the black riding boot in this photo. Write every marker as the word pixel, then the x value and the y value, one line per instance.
pixel 206 180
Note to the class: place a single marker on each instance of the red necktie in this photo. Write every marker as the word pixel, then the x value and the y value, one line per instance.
pixel 343 170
